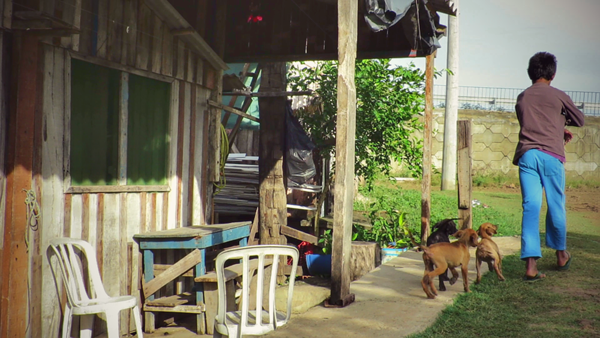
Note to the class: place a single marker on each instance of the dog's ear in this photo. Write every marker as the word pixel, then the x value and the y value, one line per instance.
pixel 474 239
pixel 458 234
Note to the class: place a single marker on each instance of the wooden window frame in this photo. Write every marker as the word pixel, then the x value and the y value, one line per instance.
pixel 123 120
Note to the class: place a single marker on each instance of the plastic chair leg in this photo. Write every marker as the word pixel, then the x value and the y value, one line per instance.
pixel 138 321
pixel 112 323
pixel 86 324
pixel 67 322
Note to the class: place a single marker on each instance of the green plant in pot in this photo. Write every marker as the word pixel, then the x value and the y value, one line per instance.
pixel 389 228
pixel 320 263
pixel 325 242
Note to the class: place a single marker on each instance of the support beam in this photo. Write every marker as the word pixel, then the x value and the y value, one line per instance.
pixel 14 304
pixel 344 154
pixel 300 235
pixel 451 116
pixel 272 207
pixel 232 110
pixel 464 175
pixel 268 94
pixel 214 131
pixel 426 184
pixel 272 196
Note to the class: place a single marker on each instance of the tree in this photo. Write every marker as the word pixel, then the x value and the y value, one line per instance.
pixel 389 100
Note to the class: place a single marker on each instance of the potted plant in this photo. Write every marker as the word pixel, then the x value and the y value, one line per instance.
pixel 320 263
pixel 397 242
pixel 388 229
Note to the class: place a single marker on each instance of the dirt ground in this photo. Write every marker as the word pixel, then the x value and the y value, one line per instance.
pixel 578 199
pixel 584 200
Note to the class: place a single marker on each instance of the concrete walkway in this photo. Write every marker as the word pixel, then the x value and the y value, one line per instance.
pixel 389 303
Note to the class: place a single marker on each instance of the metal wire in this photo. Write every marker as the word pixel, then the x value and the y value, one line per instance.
pixel 504 99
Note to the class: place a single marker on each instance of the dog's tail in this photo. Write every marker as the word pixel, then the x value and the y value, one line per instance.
pixel 425 250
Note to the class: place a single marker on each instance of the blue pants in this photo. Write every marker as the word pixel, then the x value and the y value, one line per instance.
pixel 539 170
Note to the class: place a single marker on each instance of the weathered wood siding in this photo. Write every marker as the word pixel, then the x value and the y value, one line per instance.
pixel 3 121
pixel 6 9
pixel 134 40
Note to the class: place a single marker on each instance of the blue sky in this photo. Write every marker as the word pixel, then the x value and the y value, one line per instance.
pixel 497 38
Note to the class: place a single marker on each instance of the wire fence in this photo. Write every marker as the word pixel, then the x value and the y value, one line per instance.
pixel 504 99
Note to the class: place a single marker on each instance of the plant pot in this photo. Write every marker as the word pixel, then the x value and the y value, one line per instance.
pixel 318 264
pixel 388 254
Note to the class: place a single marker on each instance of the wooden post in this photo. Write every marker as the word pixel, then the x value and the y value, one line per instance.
pixel 214 126
pixel 449 160
pixel 344 154
pixel 426 184
pixel 14 304
pixel 272 207
pixel 214 141
pixel 464 174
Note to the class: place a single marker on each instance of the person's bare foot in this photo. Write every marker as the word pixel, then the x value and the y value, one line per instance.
pixel 531 270
pixel 563 259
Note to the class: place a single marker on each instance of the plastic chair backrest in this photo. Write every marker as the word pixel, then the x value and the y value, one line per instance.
pixel 66 251
pixel 245 254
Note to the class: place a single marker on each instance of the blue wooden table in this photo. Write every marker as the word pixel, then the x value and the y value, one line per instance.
pixel 194 237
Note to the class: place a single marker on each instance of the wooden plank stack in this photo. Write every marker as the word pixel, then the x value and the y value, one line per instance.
pixel 240 194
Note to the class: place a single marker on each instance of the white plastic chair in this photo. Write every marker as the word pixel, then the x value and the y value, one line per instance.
pixel 237 323
pixel 87 302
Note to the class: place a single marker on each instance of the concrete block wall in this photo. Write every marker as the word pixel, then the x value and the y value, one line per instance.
pixel 495 137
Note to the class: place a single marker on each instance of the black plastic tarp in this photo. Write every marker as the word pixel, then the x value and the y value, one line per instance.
pixel 298 145
pixel 418 23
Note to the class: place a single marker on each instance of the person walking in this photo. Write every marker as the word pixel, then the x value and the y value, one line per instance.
pixel 543 112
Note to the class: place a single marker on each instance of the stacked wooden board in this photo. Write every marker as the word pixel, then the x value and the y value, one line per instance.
pixel 239 196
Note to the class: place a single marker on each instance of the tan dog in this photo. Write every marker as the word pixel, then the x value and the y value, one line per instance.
pixel 487 251
pixel 441 256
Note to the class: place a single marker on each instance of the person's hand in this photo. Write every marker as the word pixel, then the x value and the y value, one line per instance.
pixel 567 136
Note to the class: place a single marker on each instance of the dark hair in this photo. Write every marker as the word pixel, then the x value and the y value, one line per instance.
pixel 542 65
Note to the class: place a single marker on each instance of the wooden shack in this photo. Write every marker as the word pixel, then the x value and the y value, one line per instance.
pixel 105 120
pixel 135 147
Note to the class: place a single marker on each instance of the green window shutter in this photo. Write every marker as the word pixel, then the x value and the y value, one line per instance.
pixel 147 131
pixel 94 124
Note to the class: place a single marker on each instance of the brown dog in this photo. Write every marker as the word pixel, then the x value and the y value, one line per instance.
pixel 487 251
pixel 441 256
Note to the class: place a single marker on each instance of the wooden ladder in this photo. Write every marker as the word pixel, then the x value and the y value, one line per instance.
pixel 245 74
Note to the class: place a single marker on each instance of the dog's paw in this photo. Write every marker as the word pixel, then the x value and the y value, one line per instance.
pixel 453 280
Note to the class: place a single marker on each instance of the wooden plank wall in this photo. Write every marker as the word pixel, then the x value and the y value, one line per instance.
pixel 3 121
pixel 134 37
pixel 6 9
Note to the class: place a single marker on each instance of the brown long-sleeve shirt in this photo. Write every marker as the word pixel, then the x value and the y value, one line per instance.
pixel 543 111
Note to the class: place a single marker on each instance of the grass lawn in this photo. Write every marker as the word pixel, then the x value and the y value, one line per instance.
pixel 564 304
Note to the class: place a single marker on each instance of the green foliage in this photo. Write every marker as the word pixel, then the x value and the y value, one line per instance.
pixel 503 209
pixel 389 101
pixel 579 183
pixel 388 227
pixel 495 180
pixel 326 242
